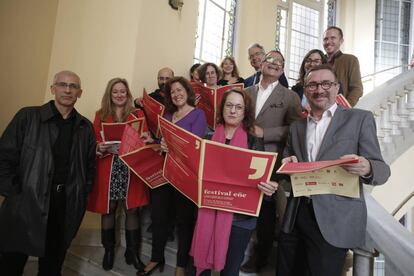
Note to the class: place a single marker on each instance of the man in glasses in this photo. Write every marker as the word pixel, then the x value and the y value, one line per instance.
pixel 345 66
pixel 318 230
pixel 276 108
pixel 47 165
pixel 256 54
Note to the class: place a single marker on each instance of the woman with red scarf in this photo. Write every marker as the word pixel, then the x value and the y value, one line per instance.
pixel 220 238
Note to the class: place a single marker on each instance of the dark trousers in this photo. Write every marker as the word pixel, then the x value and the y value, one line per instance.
pixel 265 230
pixel 304 251
pixel 238 241
pixel 13 263
pixel 162 198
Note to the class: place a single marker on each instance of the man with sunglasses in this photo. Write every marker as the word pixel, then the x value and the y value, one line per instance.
pixel 276 108
pixel 318 230
pixel 47 165
pixel 256 54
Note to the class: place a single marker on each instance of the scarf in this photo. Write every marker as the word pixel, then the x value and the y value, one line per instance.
pixel 213 227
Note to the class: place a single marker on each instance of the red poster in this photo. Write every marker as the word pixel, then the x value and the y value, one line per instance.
pixel 130 141
pixel 342 101
pixel 289 168
pixel 215 175
pixel 182 160
pixel 152 109
pixel 146 162
pixel 114 131
pixel 209 99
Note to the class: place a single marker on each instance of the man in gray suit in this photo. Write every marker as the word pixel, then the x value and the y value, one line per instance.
pixel 276 107
pixel 318 230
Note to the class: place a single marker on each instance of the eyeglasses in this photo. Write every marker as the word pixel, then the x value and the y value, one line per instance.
pixel 273 60
pixel 313 86
pixel 237 107
pixel 313 61
pixel 257 54
pixel 71 86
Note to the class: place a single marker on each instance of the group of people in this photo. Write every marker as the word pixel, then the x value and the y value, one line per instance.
pixel 54 165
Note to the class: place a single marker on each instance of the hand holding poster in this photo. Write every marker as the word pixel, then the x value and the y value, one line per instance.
pixel 152 109
pixel 206 171
pixel 323 177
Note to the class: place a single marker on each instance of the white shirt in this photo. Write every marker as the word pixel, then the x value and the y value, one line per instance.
pixel 263 95
pixel 315 131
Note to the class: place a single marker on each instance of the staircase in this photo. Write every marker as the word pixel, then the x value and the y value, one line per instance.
pixel 393 106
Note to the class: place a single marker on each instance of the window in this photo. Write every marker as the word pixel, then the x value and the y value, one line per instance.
pixel 215 29
pixel 392 37
pixel 304 20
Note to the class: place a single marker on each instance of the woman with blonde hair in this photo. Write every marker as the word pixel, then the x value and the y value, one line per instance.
pixel 114 183
pixel 230 72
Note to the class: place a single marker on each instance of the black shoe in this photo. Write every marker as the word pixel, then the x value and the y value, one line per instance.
pixel 108 259
pixel 159 266
pixel 108 241
pixel 131 257
pixel 252 266
pixel 133 241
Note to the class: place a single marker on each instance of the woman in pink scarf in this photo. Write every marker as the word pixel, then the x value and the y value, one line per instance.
pixel 220 238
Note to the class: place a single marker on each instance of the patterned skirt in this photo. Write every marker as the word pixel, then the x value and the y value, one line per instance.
pixel 119 179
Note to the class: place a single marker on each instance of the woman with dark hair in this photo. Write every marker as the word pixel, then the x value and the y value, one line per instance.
pixel 209 74
pixel 114 183
pixel 313 58
pixel 180 110
pixel 235 123
pixel 230 72
pixel 194 72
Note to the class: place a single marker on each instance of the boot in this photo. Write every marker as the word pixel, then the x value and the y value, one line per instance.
pixel 108 242
pixel 133 242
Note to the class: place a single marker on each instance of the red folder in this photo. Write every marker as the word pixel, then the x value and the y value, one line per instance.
pixel 152 109
pixel 301 167
pixel 114 131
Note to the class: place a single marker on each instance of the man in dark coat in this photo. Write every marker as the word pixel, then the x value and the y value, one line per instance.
pixel 47 165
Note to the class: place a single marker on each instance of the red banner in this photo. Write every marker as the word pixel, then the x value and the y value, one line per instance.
pixel 146 162
pixel 215 175
pixel 152 109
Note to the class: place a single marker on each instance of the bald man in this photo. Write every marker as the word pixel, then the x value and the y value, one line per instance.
pixel 164 74
pixel 47 165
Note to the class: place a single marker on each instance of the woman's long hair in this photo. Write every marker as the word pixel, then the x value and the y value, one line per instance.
pixel 107 106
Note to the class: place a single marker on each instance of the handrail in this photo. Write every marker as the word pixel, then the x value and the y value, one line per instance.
pixel 407 199
pixel 388 236
pixel 384 70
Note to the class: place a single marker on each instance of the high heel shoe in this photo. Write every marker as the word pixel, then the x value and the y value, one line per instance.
pixel 159 266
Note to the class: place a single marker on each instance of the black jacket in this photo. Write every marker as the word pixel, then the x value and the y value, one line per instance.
pixel 26 171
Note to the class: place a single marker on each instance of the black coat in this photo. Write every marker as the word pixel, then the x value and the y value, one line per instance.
pixel 26 171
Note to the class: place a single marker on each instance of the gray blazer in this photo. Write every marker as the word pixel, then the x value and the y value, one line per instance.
pixel 341 220
pixel 278 112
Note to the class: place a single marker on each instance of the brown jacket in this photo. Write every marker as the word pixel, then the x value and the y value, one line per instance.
pixel 347 70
